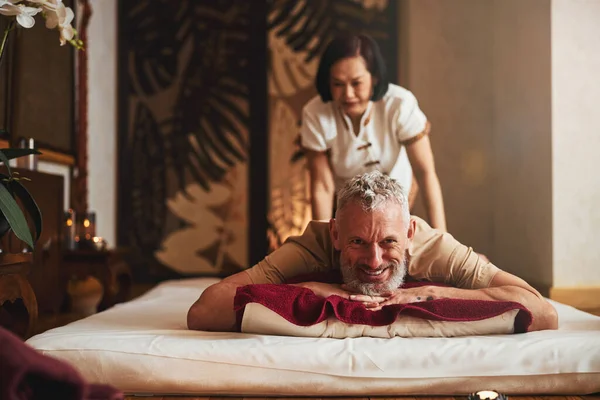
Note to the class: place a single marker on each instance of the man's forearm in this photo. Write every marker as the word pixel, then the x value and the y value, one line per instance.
pixel 213 311
pixel 544 315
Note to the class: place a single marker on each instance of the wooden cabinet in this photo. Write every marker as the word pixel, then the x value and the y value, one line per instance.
pixel 46 276
pixel 108 267
pixel 18 305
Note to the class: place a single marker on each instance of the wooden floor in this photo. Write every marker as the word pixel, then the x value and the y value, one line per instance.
pixel 589 397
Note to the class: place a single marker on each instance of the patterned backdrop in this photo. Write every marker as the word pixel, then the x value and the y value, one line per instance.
pixel 204 86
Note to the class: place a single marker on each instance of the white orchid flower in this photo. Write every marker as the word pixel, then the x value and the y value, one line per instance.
pixel 25 19
pixel 23 13
pixel 58 15
pixel 55 15
pixel 47 5
pixel 8 8
pixel 65 28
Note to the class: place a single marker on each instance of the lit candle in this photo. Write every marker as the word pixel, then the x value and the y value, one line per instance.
pixel 99 243
pixel 88 226
pixel 69 230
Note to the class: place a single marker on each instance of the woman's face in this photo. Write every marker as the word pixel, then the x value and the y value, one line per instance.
pixel 351 85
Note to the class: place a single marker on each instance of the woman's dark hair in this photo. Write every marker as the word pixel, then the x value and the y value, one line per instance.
pixel 346 46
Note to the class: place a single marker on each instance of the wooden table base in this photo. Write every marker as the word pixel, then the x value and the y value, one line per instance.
pixel 18 305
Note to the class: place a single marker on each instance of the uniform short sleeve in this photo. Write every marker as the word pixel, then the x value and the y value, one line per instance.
pixel 438 257
pixel 412 122
pixel 312 134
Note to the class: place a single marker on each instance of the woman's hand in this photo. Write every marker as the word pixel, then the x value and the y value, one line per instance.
pixel 422 162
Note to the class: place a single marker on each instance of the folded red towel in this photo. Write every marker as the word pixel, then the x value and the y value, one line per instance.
pixel 26 374
pixel 302 307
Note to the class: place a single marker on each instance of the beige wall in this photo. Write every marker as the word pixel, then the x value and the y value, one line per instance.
pixel 522 150
pixel 450 72
pixel 481 72
pixel 576 141
pixel 102 129
pixel 512 88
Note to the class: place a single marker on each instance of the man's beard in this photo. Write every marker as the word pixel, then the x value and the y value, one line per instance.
pixel 397 274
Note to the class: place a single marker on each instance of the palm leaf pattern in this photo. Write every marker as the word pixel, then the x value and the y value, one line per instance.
pixel 211 119
pixel 308 25
pixel 148 191
pixel 290 208
pixel 209 243
pixel 155 29
pixel 214 132
pixel 200 51
pixel 187 65
pixel 193 56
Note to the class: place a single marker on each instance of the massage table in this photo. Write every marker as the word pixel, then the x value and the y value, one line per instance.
pixel 143 348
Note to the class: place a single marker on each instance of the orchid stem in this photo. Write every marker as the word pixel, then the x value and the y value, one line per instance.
pixel 5 38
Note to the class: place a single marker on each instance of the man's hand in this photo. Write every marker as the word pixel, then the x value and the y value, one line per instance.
pixel 504 287
pixel 398 296
pixel 370 302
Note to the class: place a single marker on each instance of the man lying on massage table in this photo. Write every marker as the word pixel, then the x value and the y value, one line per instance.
pixel 375 244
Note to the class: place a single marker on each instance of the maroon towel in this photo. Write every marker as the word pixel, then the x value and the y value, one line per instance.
pixel 26 374
pixel 302 307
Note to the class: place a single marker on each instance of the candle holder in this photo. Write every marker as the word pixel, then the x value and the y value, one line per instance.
pixel 69 231
pixel 85 238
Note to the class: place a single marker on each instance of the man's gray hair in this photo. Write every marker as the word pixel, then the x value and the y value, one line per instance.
pixel 372 190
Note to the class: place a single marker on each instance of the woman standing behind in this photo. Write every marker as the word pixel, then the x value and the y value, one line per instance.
pixel 360 122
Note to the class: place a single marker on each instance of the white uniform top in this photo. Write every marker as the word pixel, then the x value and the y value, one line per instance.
pixel 386 126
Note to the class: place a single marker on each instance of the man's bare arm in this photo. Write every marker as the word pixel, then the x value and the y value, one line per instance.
pixel 544 314
pixel 213 311
pixel 504 287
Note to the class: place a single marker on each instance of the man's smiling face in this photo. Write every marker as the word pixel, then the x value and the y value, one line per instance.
pixel 372 246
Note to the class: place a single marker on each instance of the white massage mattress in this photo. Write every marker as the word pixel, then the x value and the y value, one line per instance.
pixel 143 347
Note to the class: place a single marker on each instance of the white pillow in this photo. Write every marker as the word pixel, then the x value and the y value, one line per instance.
pixel 261 320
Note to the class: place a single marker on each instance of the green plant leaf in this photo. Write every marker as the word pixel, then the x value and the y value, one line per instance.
pixel 29 205
pixel 16 153
pixel 9 154
pixel 4 159
pixel 15 217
